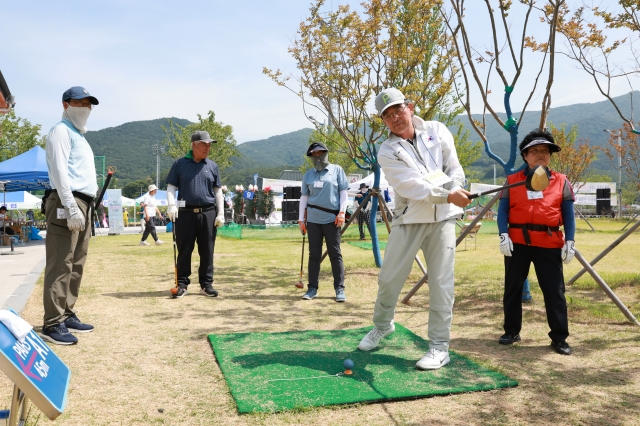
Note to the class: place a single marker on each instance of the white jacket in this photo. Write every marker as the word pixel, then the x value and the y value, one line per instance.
pixel 421 192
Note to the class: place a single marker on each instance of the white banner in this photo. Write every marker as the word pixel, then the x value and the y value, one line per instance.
pixel 116 224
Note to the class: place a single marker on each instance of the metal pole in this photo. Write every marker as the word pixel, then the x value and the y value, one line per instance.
pixel 620 174
pixel 156 150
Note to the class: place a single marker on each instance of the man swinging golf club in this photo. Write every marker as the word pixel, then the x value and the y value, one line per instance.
pixel 420 162
pixel 200 206
pixel 529 226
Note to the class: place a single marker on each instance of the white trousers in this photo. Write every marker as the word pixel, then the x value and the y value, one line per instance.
pixel 438 243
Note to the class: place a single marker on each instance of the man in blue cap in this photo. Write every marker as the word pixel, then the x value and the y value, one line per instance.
pixel 72 175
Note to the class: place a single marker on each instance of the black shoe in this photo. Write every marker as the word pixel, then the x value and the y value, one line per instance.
pixel 562 348
pixel 208 290
pixel 180 293
pixel 74 325
pixel 59 334
pixel 509 339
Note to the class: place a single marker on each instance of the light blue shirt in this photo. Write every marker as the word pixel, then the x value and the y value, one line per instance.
pixel 323 188
pixel 70 162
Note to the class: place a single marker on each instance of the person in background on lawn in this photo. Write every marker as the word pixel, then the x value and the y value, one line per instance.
pixel 529 226
pixel 125 217
pixel 5 221
pixel 363 214
pixel 201 208
pixel 420 162
pixel 323 203
pixel 72 174
pixel 150 209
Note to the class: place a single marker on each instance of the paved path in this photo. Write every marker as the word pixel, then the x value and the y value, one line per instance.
pixel 21 269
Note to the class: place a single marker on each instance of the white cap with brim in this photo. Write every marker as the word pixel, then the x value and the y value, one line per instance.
pixel 152 187
pixel 553 148
pixel 388 98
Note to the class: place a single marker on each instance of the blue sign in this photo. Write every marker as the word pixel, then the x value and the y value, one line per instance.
pixel 248 195
pixel 36 370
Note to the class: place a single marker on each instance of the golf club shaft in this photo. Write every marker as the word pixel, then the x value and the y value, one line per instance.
pixel 104 188
pixel 175 260
pixel 491 191
pixel 302 257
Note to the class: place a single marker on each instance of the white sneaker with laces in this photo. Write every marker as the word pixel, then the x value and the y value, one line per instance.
pixel 373 337
pixel 144 243
pixel 158 242
pixel 433 359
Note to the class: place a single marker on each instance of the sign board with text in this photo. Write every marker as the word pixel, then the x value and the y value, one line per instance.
pixel 36 370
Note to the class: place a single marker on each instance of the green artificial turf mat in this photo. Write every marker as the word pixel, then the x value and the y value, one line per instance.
pixel 367 244
pixel 269 372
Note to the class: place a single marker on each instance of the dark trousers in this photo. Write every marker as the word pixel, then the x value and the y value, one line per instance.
pixel 317 232
pixel 548 265
pixel 363 220
pixel 192 227
pixel 66 253
pixel 149 228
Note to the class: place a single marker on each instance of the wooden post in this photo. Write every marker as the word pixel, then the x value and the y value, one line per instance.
pixel 605 251
pixel 606 289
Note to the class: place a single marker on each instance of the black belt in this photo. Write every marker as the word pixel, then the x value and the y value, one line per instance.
pixel 197 209
pixel 526 227
pixel 323 209
pixel 84 197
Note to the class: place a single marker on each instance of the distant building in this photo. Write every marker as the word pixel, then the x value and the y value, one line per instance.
pixel 291 175
pixel 6 98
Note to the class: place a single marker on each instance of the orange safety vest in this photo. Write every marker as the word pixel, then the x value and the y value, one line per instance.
pixel 540 218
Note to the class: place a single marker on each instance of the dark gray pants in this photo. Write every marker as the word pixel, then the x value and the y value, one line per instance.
pixel 317 232
pixel 192 227
pixel 149 228
pixel 66 253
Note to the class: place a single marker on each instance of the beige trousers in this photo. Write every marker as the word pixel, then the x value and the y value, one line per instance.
pixel 66 253
pixel 438 243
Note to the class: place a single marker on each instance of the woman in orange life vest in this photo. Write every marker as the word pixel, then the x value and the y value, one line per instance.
pixel 528 223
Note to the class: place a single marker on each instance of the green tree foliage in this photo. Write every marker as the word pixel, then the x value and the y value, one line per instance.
pixel 17 135
pixel 136 188
pixel 574 159
pixel 178 139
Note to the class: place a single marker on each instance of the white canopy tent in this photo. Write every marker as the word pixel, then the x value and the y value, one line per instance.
pixel 20 200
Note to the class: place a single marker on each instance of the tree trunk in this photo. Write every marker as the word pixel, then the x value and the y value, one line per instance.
pixel 372 218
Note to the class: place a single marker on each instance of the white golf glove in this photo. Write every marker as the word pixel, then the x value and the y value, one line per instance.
pixel 172 209
pixel 75 219
pixel 219 221
pixel 506 245
pixel 172 212
pixel 568 251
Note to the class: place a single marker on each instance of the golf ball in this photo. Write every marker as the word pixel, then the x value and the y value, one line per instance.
pixel 348 364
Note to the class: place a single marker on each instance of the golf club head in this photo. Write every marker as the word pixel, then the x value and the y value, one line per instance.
pixel 299 284
pixel 538 180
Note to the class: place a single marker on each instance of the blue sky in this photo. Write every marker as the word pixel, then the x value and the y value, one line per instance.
pixel 150 59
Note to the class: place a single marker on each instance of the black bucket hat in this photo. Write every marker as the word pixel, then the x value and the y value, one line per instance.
pixel 316 146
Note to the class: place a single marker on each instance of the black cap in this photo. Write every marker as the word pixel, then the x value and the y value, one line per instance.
pixel 201 136
pixel 538 137
pixel 316 146
pixel 363 185
pixel 77 92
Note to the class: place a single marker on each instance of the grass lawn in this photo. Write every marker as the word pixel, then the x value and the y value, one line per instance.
pixel 149 360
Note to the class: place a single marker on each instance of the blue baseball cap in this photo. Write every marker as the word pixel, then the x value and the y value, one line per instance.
pixel 78 92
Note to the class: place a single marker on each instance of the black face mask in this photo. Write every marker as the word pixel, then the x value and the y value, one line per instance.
pixel 319 163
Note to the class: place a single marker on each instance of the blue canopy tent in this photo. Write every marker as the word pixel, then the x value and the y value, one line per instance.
pixel 25 172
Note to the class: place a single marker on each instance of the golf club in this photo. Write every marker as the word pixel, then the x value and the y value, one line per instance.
pixel 174 290
pixel 536 181
pixel 94 215
pixel 299 284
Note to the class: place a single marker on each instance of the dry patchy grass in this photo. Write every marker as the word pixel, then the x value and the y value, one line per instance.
pixel 149 360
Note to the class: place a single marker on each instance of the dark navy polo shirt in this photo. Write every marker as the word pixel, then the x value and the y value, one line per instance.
pixel 195 181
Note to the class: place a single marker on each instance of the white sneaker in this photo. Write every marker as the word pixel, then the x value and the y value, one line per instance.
pixel 144 243
pixel 158 242
pixel 433 359
pixel 372 339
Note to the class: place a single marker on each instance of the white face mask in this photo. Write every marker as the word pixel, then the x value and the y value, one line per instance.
pixel 78 117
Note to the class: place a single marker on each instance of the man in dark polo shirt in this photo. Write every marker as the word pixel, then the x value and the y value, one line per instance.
pixel 198 209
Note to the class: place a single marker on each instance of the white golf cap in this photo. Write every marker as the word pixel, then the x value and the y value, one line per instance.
pixel 152 187
pixel 387 98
